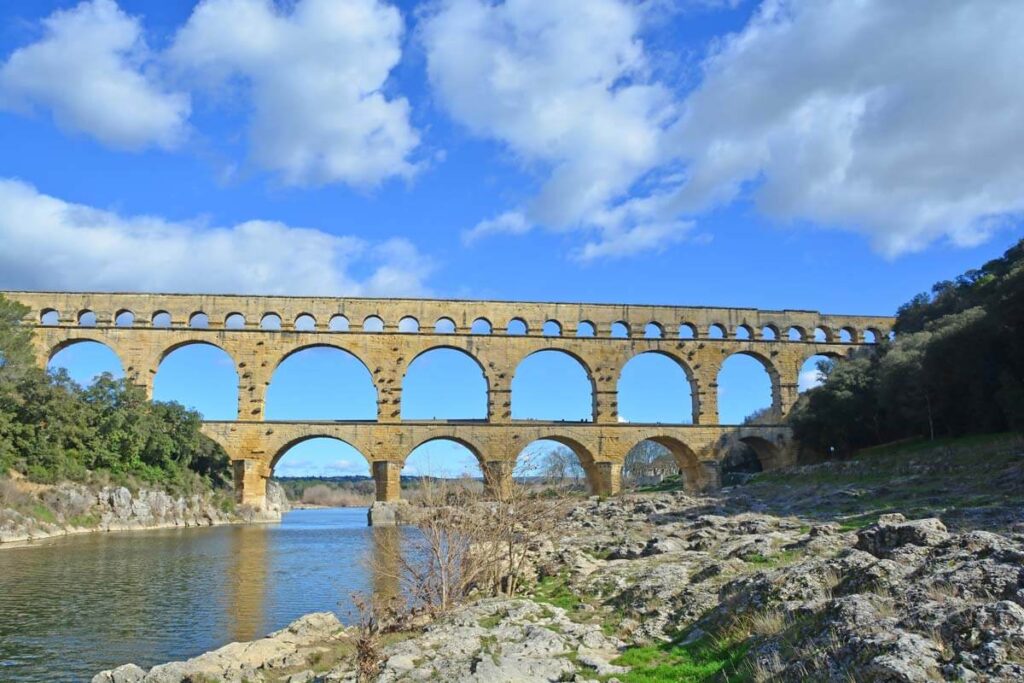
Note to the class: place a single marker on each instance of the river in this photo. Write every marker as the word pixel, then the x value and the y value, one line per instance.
pixel 72 607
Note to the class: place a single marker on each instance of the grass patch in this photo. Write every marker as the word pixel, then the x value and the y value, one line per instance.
pixel 780 559
pixel 676 663
pixel 84 521
pixel 491 621
pixel 42 513
pixel 554 590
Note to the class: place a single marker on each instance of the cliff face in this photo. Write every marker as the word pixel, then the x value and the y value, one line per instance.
pixel 33 512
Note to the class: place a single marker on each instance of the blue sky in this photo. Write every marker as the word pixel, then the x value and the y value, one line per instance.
pixel 829 155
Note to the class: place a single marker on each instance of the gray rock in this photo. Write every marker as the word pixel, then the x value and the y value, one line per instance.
pixel 893 531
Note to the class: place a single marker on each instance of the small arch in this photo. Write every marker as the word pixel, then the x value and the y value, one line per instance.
pixel 653 330
pixel 161 319
pixel 687 331
pixel 847 335
pixel 481 326
pixel 49 317
pixel 717 331
pixel 552 328
pixel 305 323
pixel 86 318
pixel 585 328
pixel 770 333
pixel 234 321
pixel 270 321
pixel 744 332
pixel 796 333
pixel 199 321
pixel 871 336
pixel 620 330
pixel 822 335
pixel 516 327
pixel 124 318
pixel 338 323
pixel 373 323
pixel 408 324
pixel 85 360
pixel 444 326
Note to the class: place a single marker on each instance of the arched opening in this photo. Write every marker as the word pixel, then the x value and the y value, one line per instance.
pixel 655 388
pixel 871 336
pixel 481 326
pixel 441 458
pixel 84 360
pixel 87 319
pixel 847 335
pixel 796 333
pixel 200 376
pixel 738 463
pixel 49 317
pixel 552 328
pixel 821 335
pixel 338 323
pixel 652 330
pixel 769 455
pixel 620 330
pixel 321 383
pixel 235 321
pixel 745 390
pixel 408 324
pixel 305 323
pixel 661 460
pixel 270 321
pixel 516 326
pixel 814 371
pixel 124 318
pixel 324 471
pixel 444 384
pixel 373 324
pixel 687 331
pixel 744 332
pixel 769 333
pixel 553 464
pixel 552 385
pixel 161 319
pixel 585 329
pixel 716 331
pixel 444 326
pixel 199 321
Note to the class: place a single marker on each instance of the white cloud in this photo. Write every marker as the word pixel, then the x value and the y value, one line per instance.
pixel 565 87
pixel 899 120
pixel 48 243
pixel 315 73
pixel 809 379
pixel 93 71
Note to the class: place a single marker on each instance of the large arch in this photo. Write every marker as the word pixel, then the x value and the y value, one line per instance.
pixel 84 360
pixel 770 455
pixel 748 386
pixel 313 438
pixel 810 374
pixel 444 457
pixel 444 382
pixel 657 387
pixel 538 387
pixel 200 375
pixel 321 382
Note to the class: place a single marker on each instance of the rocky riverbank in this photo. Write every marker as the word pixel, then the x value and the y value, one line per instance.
pixel 34 511
pixel 761 582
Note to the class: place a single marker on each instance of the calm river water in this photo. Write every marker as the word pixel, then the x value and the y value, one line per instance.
pixel 72 607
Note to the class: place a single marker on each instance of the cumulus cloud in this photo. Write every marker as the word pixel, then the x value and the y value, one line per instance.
pixel 565 87
pixel 48 243
pixel 315 73
pixel 93 71
pixel 809 379
pixel 899 120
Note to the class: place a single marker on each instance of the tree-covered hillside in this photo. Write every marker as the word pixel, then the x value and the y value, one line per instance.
pixel 956 366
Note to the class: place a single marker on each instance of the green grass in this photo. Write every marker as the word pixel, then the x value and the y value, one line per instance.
pixel 675 663
pixel 84 521
pixel 554 590
pixel 42 513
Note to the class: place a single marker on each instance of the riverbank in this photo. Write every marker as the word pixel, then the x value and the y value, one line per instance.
pixel 901 565
pixel 32 512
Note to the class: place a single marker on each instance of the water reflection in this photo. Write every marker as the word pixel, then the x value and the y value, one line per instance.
pixel 72 607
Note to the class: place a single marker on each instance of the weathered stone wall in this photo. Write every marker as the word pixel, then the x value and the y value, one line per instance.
pixel 125 323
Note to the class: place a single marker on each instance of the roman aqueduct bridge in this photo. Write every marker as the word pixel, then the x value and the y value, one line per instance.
pixel 259 332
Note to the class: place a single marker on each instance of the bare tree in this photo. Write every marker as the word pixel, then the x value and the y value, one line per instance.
pixel 648 463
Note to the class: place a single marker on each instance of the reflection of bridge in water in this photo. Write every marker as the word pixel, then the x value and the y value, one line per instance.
pixel 142 329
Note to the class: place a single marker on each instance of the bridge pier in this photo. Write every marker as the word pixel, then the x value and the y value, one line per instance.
pixel 605 478
pixel 250 483
pixel 498 478
pixel 387 476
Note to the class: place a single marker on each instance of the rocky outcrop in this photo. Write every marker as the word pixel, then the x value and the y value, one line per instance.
pixel 75 508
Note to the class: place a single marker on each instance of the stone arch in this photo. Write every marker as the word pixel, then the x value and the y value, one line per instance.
pixel 687 372
pixel 848 335
pixel 283 448
pixel 717 331
pixel 86 318
pixel 445 325
pixel 581 451
pixel 796 333
pixel 304 322
pixel 124 318
pixel 465 443
pixel 408 324
pixel 373 323
pixel 744 331
pixel 362 400
pixel 770 332
pixel 551 328
pixel 319 345
pixel 199 320
pixel 74 341
pixel 586 328
pixel 687 331
pixel 234 321
pixel 338 323
pixel 685 457
pixel 209 391
pixel 620 329
pixel 481 326
pixel 823 333
pixel 875 335
pixel 769 454
pixel 161 319
pixel 774 377
pixel 588 372
pixel 654 330
pixel 462 352
pixel 517 327
pixel 168 350
pixel 49 317
pixel 270 321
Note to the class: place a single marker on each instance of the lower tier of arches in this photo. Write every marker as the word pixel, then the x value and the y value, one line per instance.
pixel 256 447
